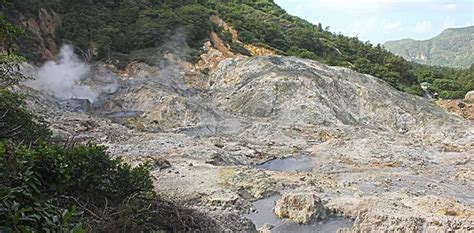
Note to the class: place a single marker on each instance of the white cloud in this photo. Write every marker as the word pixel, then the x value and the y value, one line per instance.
pixel 360 27
pixel 390 27
pixel 449 6
pixel 373 23
pixel 448 22
pixel 423 26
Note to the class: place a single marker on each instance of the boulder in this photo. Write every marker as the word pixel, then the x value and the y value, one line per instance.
pixel 300 207
pixel 469 97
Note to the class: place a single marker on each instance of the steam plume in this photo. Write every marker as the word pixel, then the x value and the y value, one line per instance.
pixel 61 78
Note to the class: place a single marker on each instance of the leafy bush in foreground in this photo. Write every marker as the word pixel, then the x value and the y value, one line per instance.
pixel 54 188
pixel 48 187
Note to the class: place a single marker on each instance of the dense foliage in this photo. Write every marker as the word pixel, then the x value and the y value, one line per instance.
pixel 448 83
pixel 50 187
pixel 124 26
pixel 120 28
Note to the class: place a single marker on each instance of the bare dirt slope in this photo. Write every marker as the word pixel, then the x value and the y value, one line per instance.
pixel 387 159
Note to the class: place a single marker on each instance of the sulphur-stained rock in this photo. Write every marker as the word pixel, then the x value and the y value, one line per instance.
pixel 259 51
pixel 221 23
pixel 300 207
pixel 220 45
pixel 210 58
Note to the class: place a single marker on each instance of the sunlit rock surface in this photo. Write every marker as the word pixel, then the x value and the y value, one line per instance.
pixel 386 159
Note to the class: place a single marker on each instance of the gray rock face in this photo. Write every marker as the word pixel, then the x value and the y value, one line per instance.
pixel 291 90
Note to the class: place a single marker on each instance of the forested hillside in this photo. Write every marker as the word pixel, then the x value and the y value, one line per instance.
pixel 454 47
pixel 127 30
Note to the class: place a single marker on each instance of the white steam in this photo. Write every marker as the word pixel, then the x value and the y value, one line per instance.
pixel 62 78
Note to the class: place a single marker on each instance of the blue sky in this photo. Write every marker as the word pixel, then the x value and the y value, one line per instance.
pixel 382 20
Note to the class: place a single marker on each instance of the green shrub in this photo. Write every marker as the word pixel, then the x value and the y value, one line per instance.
pixel 247 37
pixel 414 90
pixel 23 205
pixel 448 88
pixel 17 124
pixel 47 187
pixel 52 188
pixel 303 53
pixel 446 85
pixel 452 94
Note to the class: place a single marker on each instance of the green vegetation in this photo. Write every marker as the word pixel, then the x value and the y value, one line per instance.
pixel 453 47
pixel 448 83
pixel 126 26
pixel 51 188
pixel 143 30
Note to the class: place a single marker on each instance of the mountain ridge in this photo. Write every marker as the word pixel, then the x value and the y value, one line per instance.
pixel 452 47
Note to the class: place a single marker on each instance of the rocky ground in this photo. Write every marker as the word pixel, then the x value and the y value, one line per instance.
pixel 383 158
pixel 462 108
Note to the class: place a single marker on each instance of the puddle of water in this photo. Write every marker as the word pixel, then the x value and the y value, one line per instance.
pixel 299 163
pixel 265 215
pixel 124 114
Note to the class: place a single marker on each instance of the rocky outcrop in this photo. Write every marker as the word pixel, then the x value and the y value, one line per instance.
pixel 469 97
pixel 210 58
pixel 253 49
pixel 43 27
pixel 301 207
pixel 221 23
pixel 463 108
pixel 220 45
pixel 293 90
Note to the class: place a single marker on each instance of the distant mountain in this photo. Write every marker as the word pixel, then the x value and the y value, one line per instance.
pixel 453 47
